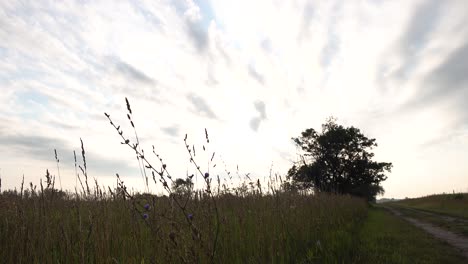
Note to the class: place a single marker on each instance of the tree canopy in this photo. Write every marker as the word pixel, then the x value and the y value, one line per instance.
pixel 182 187
pixel 338 159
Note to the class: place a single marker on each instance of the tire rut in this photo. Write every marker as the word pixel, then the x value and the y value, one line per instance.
pixel 453 239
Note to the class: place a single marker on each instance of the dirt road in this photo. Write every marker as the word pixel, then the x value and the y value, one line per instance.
pixel 451 238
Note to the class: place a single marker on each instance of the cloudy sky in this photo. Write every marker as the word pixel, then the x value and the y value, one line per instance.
pixel 254 73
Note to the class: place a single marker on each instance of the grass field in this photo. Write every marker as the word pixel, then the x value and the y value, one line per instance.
pixel 48 227
pixel 282 228
pixel 455 225
pixel 449 204
pixel 386 238
pixel 213 224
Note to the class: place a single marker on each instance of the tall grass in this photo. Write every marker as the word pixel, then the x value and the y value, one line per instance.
pixel 214 224
pixel 284 228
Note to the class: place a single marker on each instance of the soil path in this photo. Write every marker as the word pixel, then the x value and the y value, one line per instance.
pixel 453 239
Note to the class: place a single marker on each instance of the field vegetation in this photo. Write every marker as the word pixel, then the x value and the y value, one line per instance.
pixel 386 238
pixel 47 227
pixel 248 223
pixel 454 204
pixel 448 211
pixel 217 223
pixel 453 224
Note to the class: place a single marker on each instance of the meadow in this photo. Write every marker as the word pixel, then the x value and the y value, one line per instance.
pixel 452 204
pixel 248 223
pixel 49 227
pixel 448 211
pixel 386 238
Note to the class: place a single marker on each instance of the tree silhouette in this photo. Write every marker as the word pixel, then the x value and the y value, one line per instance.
pixel 338 159
pixel 182 187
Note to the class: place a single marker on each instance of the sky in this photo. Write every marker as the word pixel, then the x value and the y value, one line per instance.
pixel 253 73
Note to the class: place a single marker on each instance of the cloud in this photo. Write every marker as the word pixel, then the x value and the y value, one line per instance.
pixel 66 125
pixel 63 64
pixel 451 75
pixel 132 73
pixel 41 148
pixel 198 35
pixel 38 147
pixel 422 24
pixel 331 46
pixel 172 131
pixel 266 45
pixel 260 107
pixel 307 17
pixel 256 75
pixel 448 83
pixel 211 79
pixel 145 11
pixel 330 49
pixel 445 83
pixel 201 106
pixel 255 122
pixel 195 23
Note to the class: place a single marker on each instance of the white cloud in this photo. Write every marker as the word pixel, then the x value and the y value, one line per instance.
pixel 187 65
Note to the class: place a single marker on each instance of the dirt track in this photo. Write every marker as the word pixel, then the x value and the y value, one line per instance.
pixel 453 239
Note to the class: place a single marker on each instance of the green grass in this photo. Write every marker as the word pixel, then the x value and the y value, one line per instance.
pixel 281 228
pixel 449 204
pixel 454 225
pixel 386 238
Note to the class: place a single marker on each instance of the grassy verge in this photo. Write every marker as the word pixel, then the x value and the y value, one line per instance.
pixel 449 204
pixel 385 238
pixel 458 226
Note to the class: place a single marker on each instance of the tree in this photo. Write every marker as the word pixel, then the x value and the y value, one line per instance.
pixel 338 159
pixel 182 187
